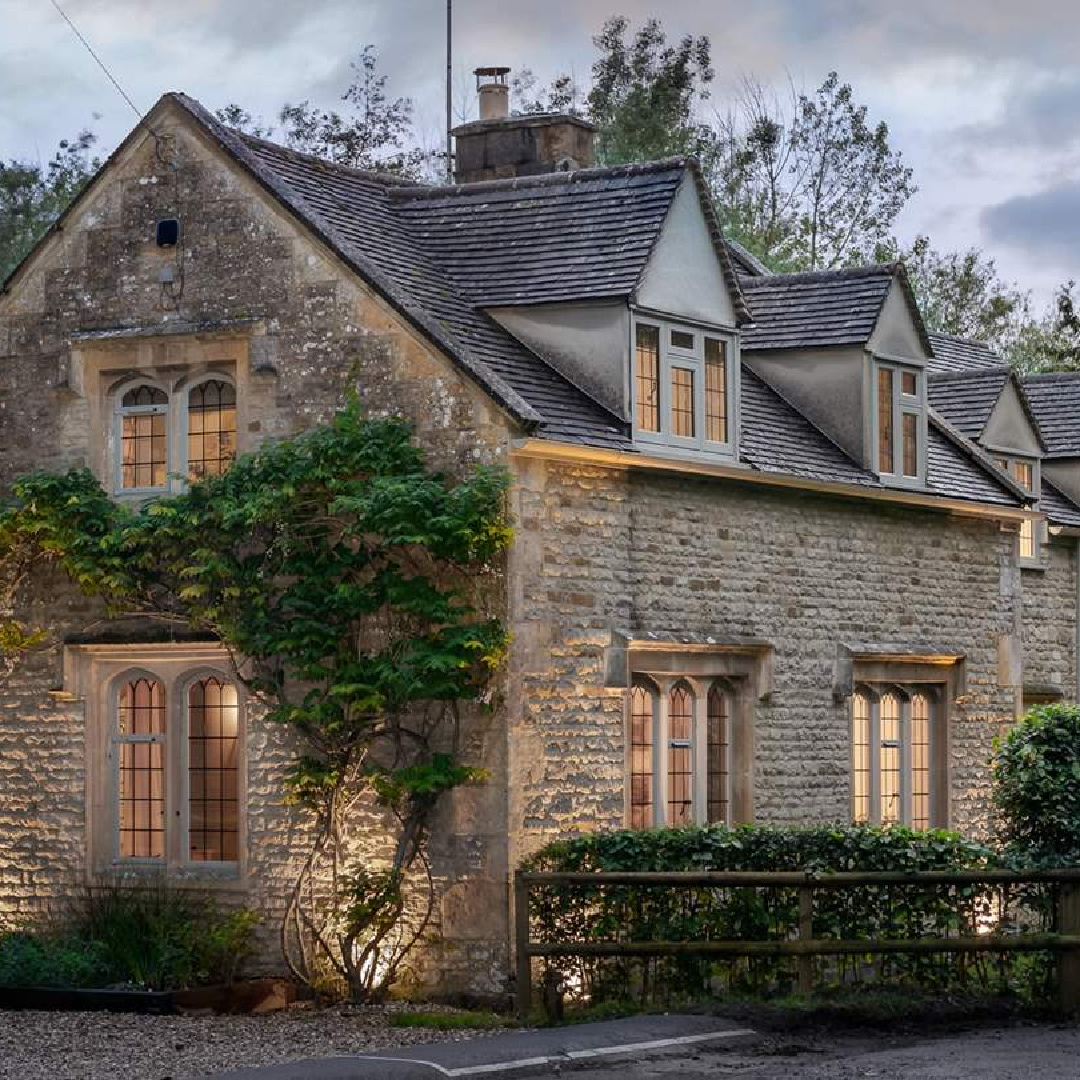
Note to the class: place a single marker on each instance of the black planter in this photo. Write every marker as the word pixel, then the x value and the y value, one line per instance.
pixel 47 999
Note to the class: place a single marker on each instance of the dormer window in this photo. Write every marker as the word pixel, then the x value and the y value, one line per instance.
pixel 1025 471
pixel 900 421
pixel 683 387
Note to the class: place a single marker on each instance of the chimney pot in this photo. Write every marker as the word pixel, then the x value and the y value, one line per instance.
pixel 494 92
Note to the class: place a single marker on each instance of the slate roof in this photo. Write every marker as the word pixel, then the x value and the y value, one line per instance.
pixel 1058 507
pixel 955 354
pixel 584 235
pixel 1055 401
pixel 967 398
pixel 746 262
pixel 820 309
pixel 408 245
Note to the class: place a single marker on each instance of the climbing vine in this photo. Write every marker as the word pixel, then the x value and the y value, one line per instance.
pixel 357 591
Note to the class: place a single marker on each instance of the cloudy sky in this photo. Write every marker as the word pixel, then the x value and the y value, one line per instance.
pixel 982 96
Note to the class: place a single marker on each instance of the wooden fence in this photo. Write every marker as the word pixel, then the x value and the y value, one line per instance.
pixel 1064 940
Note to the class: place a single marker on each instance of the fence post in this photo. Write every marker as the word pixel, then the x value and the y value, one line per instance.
pixel 523 984
pixel 806 933
pixel 1069 958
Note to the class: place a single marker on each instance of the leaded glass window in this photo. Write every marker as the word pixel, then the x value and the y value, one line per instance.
pixel 680 764
pixel 719 745
pixel 139 748
pixel 213 769
pixel 211 439
pixel 144 438
pixel 642 720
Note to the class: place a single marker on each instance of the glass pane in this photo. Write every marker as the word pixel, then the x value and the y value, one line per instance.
pixel 680 339
pixel 908 384
pixel 860 778
pixel 885 420
pixel 211 428
pixel 920 762
pixel 911 444
pixel 213 785
pixel 716 390
pixel 682 402
pixel 1023 474
pixel 680 801
pixel 719 718
pixel 641 758
pixel 1027 540
pixel 140 788
pixel 890 759
pixel 144 396
pixel 647 378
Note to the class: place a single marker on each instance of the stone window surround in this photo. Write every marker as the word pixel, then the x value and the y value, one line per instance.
pixel 107 365
pixel 939 672
pixel 93 674
pixel 901 404
pixel 743 666
pixel 663 441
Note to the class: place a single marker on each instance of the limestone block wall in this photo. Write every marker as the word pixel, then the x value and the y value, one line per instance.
pixel 310 334
pixel 602 550
pixel 1050 601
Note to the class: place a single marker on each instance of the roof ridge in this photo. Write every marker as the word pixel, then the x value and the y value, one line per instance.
pixel 540 180
pixel 969 373
pixel 816 277
pixel 390 179
pixel 1048 376
pixel 962 340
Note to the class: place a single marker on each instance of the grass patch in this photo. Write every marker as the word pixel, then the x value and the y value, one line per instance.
pixel 450 1021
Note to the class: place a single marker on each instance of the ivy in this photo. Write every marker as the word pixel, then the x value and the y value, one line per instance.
pixel 357 590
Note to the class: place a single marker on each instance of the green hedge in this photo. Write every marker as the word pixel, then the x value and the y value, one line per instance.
pixel 626 913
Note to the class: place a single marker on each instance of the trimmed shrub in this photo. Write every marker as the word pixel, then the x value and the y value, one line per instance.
pixel 1037 787
pixel 591 913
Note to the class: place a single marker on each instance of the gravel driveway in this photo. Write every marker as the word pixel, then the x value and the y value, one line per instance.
pixel 113 1046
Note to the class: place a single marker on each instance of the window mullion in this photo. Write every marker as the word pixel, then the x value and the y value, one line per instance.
pixel 660 755
pixel 875 762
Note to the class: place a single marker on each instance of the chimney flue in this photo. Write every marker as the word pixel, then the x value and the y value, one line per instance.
pixel 493 91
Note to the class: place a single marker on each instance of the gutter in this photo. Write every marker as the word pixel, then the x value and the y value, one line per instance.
pixel 621 459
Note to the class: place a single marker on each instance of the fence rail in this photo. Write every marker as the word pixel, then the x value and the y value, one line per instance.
pixel 804 947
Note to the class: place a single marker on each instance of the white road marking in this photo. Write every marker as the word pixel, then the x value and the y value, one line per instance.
pixel 571 1055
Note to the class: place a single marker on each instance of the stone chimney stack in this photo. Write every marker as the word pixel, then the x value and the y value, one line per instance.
pixel 498 145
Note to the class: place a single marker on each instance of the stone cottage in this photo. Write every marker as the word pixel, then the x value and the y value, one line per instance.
pixel 781 555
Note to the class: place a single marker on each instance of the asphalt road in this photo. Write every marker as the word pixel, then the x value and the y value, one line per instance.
pixel 998 1054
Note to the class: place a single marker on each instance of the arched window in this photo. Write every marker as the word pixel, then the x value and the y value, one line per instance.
pixel 893 742
pixel 680 754
pixel 139 747
pixel 143 415
pixel 642 717
pixel 719 774
pixel 211 436
pixel 213 730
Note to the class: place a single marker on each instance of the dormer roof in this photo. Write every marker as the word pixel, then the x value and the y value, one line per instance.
pixel 824 308
pixel 1055 401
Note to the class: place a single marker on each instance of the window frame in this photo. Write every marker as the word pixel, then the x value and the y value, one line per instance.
pixel 1007 461
pixel 177 424
pixel 874 694
pixel 901 405
pixel 120 412
pixel 674 357
pixel 700 688
pixel 96 673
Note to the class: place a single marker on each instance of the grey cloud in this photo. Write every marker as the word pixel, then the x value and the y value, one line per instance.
pixel 1043 114
pixel 1044 225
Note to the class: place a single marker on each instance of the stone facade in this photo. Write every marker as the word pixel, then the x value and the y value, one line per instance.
pixel 1050 616
pixel 258 293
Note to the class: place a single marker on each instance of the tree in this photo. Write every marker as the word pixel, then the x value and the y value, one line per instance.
pixel 33 196
pixel 961 293
pixel 236 116
pixel 645 93
pixel 814 187
pixel 562 95
pixel 353 585
pixel 1051 342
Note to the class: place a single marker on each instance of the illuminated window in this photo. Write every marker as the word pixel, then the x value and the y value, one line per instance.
pixel 900 417
pixel 176 745
pixel 143 418
pixel 213 787
pixel 684 388
pixel 647 378
pixel 892 740
pixel 211 428
pixel 1023 471
pixel 679 750
pixel 139 750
